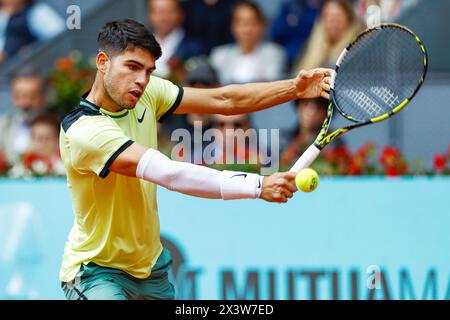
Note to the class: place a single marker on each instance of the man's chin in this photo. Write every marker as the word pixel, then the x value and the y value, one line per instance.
pixel 131 102
pixel 128 105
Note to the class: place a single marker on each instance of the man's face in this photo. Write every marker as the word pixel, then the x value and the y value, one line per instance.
pixel 12 2
pixel 311 115
pixel 164 16
pixel 28 93
pixel 44 139
pixel 234 122
pixel 126 76
pixel 335 21
pixel 247 29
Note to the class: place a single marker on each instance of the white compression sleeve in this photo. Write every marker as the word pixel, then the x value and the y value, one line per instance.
pixel 197 180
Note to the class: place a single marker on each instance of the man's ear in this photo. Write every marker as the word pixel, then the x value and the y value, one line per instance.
pixel 102 62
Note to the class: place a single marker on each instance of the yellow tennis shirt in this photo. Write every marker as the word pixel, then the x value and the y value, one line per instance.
pixel 116 217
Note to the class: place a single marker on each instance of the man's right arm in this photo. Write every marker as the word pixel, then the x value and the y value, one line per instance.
pixel 98 145
pixel 151 165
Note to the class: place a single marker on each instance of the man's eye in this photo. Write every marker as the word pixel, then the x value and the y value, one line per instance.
pixel 133 68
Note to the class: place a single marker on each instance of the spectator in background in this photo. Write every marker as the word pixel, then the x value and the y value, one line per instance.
pixel 228 127
pixel 23 22
pixel 28 97
pixel 310 115
pixel 292 26
pixel 250 59
pixel 209 20
pixel 42 156
pixel 166 18
pixel 200 75
pixel 337 26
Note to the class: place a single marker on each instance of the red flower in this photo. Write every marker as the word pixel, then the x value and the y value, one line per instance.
pixel 391 171
pixel 3 163
pixel 389 156
pixel 328 154
pixel 393 163
pixel 29 159
pixel 342 152
pixel 354 167
pixel 439 163
pixel 64 64
pixel 337 155
pixel 366 149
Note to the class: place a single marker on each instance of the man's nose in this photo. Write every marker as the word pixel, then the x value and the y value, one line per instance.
pixel 142 80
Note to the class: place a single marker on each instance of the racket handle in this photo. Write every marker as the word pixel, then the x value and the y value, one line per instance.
pixel 306 159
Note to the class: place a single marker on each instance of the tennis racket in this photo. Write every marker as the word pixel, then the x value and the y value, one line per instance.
pixel 375 77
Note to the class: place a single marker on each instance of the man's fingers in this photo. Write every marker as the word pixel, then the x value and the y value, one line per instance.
pixel 325 95
pixel 287 193
pixel 328 72
pixel 307 74
pixel 293 186
pixel 289 181
pixel 278 197
pixel 283 199
pixel 318 72
pixel 326 87
pixel 290 185
pixel 290 175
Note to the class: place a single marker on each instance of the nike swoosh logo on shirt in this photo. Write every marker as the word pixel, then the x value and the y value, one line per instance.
pixel 142 118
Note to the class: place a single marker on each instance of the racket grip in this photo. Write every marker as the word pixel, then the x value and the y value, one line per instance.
pixel 306 159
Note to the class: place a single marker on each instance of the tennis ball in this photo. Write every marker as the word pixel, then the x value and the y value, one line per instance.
pixel 307 180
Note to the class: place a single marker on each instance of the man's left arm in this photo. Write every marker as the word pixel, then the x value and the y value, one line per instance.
pixel 244 98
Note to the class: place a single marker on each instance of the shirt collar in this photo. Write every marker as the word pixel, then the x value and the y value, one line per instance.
pixel 87 104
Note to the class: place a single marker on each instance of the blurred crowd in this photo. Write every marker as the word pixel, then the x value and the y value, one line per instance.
pixel 205 44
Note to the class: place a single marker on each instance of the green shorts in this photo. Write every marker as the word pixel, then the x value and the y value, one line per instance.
pixel 95 282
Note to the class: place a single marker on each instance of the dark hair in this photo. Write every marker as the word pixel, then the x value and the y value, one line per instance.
pixel 29 73
pixel 50 118
pixel 202 73
pixel 118 36
pixel 347 6
pixel 251 5
pixel 25 72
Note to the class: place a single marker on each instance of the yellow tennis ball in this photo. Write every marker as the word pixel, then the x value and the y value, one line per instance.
pixel 307 180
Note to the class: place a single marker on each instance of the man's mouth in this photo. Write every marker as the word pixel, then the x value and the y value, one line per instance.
pixel 136 93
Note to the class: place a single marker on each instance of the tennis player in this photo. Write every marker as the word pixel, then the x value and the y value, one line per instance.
pixel 109 148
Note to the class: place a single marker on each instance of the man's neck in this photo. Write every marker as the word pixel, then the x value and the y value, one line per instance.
pixel 248 48
pixel 100 98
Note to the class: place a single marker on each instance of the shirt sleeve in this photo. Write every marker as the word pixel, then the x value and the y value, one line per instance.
pixel 163 96
pixel 95 142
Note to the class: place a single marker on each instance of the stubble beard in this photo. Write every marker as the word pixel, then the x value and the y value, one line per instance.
pixel 110 87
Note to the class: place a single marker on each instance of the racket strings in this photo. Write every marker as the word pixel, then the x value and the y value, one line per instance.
pixel 381 70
